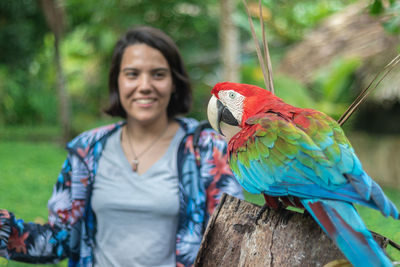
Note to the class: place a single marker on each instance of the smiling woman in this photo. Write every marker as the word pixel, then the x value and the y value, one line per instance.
pixel 145 88
pixel 138 192
pixel 145 84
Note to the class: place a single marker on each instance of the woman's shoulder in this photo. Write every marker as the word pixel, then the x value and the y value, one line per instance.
pixel 188 124
pixel 202 132
pixel 193 126
pixel 88 138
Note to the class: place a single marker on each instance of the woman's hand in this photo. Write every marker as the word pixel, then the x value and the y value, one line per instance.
pixel 5 227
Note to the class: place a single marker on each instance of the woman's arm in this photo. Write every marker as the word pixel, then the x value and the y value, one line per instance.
pixel 35 243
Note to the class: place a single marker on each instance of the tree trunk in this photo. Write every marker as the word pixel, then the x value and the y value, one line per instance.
pixel 279 238
pixel 230 45
pixel 54 14
pixel 63 100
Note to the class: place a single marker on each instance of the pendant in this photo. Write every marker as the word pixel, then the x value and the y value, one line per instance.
pixel 135 164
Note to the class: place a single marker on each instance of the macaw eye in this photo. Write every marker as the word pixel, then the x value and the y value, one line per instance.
pixel 232 95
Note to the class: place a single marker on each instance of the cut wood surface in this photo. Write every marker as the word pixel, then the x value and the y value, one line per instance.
pixel 279 238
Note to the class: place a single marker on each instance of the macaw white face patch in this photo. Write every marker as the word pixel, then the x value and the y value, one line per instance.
pixel 234 102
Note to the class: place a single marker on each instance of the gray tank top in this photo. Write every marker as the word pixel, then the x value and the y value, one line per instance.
pixel 137 215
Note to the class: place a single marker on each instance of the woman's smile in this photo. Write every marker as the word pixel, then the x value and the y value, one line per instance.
pixel 145 102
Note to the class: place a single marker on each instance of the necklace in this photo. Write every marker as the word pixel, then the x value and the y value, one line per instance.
pixel 135 161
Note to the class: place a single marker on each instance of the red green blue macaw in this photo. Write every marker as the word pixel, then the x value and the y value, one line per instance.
pixel 297 155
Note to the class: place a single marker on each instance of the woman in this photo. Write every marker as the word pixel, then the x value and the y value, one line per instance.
pixel 138 192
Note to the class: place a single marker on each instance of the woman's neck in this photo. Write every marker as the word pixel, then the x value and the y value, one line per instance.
pixel 143 131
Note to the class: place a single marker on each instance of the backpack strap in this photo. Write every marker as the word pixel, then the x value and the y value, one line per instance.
pixel 196 136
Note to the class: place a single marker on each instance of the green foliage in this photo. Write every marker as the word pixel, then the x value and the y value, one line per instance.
pixel 200 101
pixel 391 11
pixel 25 99
pixel 331 91
pixel 22 27
pixel 27 73
pixel 376 7
pixel 28 96
pixel 86 52
pixel 293 92
pixel 332 85
pixel 393 24
pixel 287 21
pixel 286 88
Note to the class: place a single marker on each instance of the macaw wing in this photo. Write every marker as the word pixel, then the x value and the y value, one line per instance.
pixel 277 157
pixel 329 136
pixel 274 156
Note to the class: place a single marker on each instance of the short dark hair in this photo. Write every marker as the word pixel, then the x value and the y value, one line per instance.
pixel 181 98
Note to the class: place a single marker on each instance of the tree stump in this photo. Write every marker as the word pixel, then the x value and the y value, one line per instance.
pixel 279 238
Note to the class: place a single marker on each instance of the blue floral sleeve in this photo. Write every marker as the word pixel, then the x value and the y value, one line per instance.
pixel 215 169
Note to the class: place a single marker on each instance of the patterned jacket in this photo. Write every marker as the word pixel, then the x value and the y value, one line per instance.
pixel 203 175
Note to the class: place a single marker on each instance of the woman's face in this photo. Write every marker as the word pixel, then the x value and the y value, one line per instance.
pixel 145 84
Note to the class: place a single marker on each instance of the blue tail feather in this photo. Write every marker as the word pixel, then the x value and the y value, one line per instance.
pixel 369 190
pixel 344 226
pixel 385 205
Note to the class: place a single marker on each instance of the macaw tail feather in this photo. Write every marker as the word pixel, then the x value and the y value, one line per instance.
pixel 344 226
pixel 373 193
pixel 384 204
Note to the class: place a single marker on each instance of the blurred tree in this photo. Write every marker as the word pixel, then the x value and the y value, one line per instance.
pixel 54 14
pixel 22 28
pixel 229 42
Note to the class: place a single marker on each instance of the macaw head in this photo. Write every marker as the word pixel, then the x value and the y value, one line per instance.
pixel 233 103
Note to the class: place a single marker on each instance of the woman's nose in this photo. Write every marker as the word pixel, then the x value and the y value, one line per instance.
pixel 145 82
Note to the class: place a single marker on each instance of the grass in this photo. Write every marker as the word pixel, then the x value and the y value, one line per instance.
pixel 32 133
pixel 28 170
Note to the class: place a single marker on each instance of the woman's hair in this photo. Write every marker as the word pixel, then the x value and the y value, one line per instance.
pixel 181 98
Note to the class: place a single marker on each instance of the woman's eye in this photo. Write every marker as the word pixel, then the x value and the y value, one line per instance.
pixel 232 95
pixel 131 74
pixel 159 75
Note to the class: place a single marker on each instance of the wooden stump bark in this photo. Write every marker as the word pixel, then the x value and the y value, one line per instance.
pixel 279 238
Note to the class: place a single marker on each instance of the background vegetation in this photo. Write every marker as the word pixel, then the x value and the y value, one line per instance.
pixel 31 150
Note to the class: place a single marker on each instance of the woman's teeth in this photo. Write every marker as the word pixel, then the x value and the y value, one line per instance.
pixel 145 101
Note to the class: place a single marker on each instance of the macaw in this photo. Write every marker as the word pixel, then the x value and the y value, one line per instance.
pixel 300 157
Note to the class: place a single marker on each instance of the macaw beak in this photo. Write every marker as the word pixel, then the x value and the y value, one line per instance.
pixel 217 113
